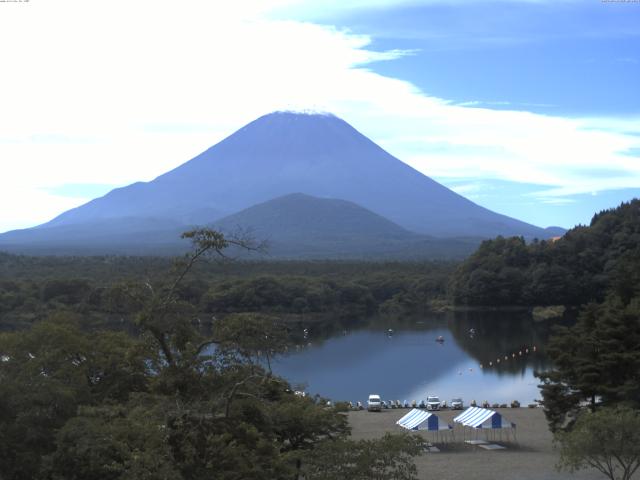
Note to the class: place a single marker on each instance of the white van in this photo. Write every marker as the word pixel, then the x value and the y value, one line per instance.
pixel 433 403
pixel 374 404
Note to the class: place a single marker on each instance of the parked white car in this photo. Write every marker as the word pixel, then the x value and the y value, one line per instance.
pixel 456 404
pixel 433 403
pixel 374 404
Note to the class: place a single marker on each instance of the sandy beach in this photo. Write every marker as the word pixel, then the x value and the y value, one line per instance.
pixel 531 457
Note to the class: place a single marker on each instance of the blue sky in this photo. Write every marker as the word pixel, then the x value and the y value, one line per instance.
pixel 527 107
pixel 564 58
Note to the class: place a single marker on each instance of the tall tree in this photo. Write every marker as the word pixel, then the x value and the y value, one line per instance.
pixel 596 362
pixel 607 440
pixel 46 374
pixel 388 458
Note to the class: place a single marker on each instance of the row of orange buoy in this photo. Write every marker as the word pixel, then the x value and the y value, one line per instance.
pixel 514 355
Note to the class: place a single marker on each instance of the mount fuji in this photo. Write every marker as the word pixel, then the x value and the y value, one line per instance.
pixel 318 155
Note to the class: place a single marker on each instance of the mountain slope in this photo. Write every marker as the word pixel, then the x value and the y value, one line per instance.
pixel 318 155
pixel 127 235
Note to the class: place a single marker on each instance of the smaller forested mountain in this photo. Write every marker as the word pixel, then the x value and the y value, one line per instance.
pixel 303 226
pixel 580 267
pixel 300 218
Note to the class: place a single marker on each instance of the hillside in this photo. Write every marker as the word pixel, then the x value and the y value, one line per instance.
pixel 302 226
pixel 582 266
pixel 297 216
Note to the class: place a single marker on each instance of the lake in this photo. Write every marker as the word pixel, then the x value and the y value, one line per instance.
pixel 409 364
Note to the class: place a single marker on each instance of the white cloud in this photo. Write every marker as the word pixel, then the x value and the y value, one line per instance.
pixel 313 9
pixel 556 200
pixel 25 206
pixel 116 92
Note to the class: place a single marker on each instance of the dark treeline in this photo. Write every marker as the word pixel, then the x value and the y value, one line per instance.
pixel 581 267
pixel 31 288
pixel 116 267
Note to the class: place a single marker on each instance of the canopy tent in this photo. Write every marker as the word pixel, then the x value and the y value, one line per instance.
pixel 422 420
pixel 476 417
pixel 483 419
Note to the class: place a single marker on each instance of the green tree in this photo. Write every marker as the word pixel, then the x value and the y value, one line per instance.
pixel 596 361
pixel 252 336
pixel 114 442
pixel 298 422
pixel 607 440
pixel 46 374
pixel 388 458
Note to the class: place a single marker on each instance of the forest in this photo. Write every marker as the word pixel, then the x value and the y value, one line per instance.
pixel 32 288
pixel 583 266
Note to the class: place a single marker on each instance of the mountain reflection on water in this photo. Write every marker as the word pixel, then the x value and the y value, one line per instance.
pixel 410 364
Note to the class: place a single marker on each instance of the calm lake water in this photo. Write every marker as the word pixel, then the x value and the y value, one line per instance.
pixel 410 364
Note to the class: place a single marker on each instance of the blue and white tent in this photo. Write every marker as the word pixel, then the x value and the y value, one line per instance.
pixel 476 417
pixel 421 420
pixel 483 419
